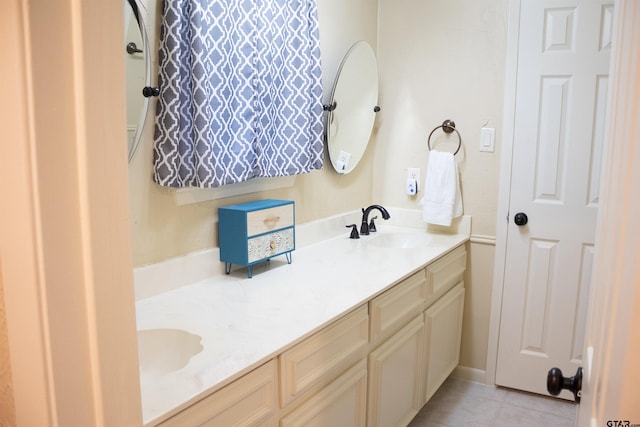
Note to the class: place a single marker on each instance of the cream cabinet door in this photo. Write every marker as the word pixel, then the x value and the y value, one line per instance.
pixel 342 403
pixel 443 331
pixel 395 372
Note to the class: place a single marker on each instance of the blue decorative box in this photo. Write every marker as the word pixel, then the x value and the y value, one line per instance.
pixel 253 232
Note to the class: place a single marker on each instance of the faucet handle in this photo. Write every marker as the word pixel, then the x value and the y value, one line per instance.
pixel 372 225
pixel 354 231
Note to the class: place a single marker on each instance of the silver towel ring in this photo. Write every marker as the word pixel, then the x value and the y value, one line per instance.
pixel 447 126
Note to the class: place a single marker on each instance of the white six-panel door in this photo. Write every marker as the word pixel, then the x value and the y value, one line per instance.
pixel 562 79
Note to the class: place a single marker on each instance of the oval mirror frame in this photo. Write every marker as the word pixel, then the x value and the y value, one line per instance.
pixel 138 72
pixel 353 107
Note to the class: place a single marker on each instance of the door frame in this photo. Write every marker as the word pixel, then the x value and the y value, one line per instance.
pixel 504 189
pixel 65 257
pixel 614 310
pixel 612 336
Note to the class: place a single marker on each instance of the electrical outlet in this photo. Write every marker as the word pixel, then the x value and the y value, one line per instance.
pixel 413 178
pixel 342 164
pixel 413 173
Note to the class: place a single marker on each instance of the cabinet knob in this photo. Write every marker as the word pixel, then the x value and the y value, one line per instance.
pixel 271 221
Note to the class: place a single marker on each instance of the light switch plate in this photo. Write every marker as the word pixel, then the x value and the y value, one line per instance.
pixel 487 139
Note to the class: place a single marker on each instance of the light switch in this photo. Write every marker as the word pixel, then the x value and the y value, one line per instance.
pixel 487 139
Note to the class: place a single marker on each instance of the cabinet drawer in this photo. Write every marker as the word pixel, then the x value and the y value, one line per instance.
pixel 341 403
pixel 248 401
pixel 269 245
pixel 446 272
pixel 323 356
pixel 265 220
pixel 396 306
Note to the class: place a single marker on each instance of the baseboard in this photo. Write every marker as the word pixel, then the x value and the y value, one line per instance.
pixel 469 374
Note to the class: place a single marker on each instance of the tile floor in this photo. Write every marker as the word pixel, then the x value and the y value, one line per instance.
pixel 463 403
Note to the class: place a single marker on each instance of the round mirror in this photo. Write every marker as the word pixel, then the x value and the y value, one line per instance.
pixel 138 72
pixel 353 107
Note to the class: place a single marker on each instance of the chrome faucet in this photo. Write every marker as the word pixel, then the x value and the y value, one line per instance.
pixel 364 227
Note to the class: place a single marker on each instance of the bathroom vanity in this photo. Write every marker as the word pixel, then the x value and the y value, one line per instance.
pixel 355 332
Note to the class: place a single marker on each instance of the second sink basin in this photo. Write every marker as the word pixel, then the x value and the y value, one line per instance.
pixel 400 240
pixel 165 350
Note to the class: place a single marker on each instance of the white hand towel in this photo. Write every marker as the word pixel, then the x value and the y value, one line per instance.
pixel 442 200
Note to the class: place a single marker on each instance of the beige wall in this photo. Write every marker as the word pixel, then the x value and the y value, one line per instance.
pixel 477 304
pixel 160 229
pixel 442 60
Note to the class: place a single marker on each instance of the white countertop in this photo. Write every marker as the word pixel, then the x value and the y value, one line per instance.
pixel 245 322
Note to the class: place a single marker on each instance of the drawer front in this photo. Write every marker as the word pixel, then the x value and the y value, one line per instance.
pixel 341 403
pixel 320 358
pixel 443 274
pixel 269 245
pixel 265 220
pixel 250 400
pixel 396 306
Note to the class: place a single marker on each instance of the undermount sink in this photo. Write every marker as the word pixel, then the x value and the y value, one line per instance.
pixel 400 240
pixel 165 350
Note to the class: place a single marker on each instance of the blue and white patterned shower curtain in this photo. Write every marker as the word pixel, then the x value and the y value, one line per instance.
pixel 240 91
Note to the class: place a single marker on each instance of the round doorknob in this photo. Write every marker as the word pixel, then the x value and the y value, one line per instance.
pixel 556 383
pixel 520 219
